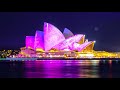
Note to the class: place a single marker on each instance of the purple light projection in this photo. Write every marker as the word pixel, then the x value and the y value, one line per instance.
pixel 66 44
pixel 52 36
pixel 39 40
pixel 67 33
pixel 30 41
pixel 75 46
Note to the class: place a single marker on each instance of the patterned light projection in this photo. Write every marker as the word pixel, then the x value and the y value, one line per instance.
pixel 52 38
pixel 30 42
pixel 82 40
pixel 85 45
pixel 39 40
pixel 67 33
pixel 66 44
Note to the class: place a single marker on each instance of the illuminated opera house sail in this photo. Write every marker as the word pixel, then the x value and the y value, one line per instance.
pixel 51 38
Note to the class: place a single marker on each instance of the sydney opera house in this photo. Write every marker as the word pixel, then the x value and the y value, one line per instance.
pixel 51 39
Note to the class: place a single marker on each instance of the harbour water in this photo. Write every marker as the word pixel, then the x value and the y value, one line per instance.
pixel 60 69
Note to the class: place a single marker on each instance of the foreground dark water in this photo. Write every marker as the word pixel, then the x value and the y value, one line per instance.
pixel 60 69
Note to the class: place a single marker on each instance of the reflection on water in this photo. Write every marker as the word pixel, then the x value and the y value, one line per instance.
pixel 60 69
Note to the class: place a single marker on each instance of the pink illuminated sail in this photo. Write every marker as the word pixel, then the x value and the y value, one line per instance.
pixel 67 44
pixel 52 36
pixel 39 40
pixel 30 42
pixel 67 33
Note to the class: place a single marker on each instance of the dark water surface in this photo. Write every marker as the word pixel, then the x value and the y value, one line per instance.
pixel 60 69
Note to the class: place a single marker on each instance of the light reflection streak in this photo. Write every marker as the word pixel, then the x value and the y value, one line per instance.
pixel 62 69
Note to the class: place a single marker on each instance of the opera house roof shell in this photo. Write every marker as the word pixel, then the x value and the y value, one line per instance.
pixel 52 38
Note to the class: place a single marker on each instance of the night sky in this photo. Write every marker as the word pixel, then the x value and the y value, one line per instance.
pixel 104 27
